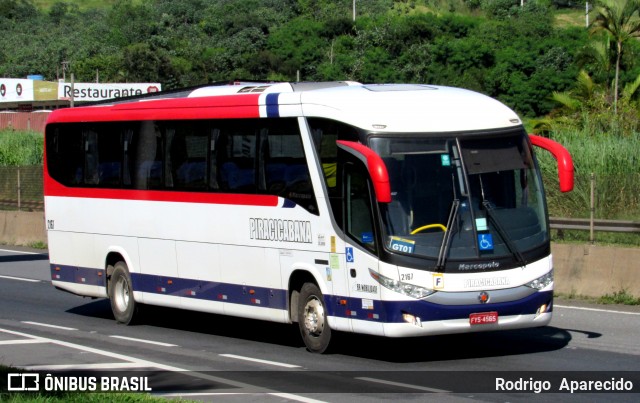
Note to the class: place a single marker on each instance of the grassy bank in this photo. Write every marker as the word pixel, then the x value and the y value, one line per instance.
pixel 93 397
pixel 617 298
pixel 20 148
pixel 615 163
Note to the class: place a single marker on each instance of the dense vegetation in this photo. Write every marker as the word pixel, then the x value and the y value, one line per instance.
pixel 613 160
pixel 494 46
pixel 19 148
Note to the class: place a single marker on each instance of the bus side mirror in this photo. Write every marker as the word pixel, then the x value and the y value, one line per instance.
pixel 562 156
pixel 375 165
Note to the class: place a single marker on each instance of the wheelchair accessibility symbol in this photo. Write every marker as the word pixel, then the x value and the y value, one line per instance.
pixel 349 253
pixel 485 241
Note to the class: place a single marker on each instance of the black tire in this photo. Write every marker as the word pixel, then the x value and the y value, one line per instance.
pixel 312 319
pixel 124 307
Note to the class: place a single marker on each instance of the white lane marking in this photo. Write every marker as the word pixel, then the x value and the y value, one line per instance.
pixel 297 398
pixel 48 325
pixel 97 351
pixel 204 394
pixel 279 364
pixel 21 252
pixel 113 365
pixel 580 308
pixel 158 343
pixel 148 364
pixel 30 280
pixel 196 394
pixel 403 385
pixel 20 341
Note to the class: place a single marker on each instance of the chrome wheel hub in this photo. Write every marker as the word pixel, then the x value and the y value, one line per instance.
pixel 121 294
pixel 314 316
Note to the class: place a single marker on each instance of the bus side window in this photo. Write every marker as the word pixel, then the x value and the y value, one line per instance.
pixel 237 158
pixel 110 155
pixel 174 154
pixel 214 135
pixel 91 159
pixel 359 216
pixel 285 165
pixel 148 161
pixel 127 145
pixel 186 157
pixel 65 154
pixel 325 133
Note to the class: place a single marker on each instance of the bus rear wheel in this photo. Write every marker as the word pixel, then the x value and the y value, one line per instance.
pixel 312 319
pixel 124 307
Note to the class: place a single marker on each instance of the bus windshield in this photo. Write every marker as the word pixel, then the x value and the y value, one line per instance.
pixel 464 198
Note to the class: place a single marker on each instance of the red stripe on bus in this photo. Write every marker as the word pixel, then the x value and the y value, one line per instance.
pixel 53 188
pixel 220 107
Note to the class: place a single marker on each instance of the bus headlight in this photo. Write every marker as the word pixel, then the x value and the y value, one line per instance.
pixel 541 282
pixel 410 290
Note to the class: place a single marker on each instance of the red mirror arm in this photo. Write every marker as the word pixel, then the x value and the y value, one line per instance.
pixel 562 156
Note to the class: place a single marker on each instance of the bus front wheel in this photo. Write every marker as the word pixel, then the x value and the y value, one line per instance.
pixel 312 319
pixel 123 305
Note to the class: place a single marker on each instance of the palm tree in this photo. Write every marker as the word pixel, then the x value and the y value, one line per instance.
pixel 616 17
pixel 588 107
pixel 583 96
pixel 600 55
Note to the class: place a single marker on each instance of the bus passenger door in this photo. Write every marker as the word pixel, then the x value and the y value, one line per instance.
pixel 361 250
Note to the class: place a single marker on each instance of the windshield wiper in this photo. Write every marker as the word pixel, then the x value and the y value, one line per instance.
pixel 446 238
pixel 510 245
pixel 489 209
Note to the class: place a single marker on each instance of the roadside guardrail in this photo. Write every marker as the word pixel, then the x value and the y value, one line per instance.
pixel 587 224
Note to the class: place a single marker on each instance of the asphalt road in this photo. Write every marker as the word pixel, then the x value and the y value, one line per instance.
pixel 211 357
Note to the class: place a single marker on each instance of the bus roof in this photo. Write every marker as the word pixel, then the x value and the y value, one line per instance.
pixel 394 108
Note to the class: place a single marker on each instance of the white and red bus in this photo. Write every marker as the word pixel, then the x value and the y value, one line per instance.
pixel 392 210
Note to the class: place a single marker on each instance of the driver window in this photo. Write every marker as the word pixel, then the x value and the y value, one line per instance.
pixel 359 217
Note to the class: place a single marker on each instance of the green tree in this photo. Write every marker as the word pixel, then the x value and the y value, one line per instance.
pixel 298 45
pixel 619 20
pixel 599 57
pixel 324 10
pixel 107 67
pixel 131 22
pixel 17 9
pixel 144 64
pixel 587 107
